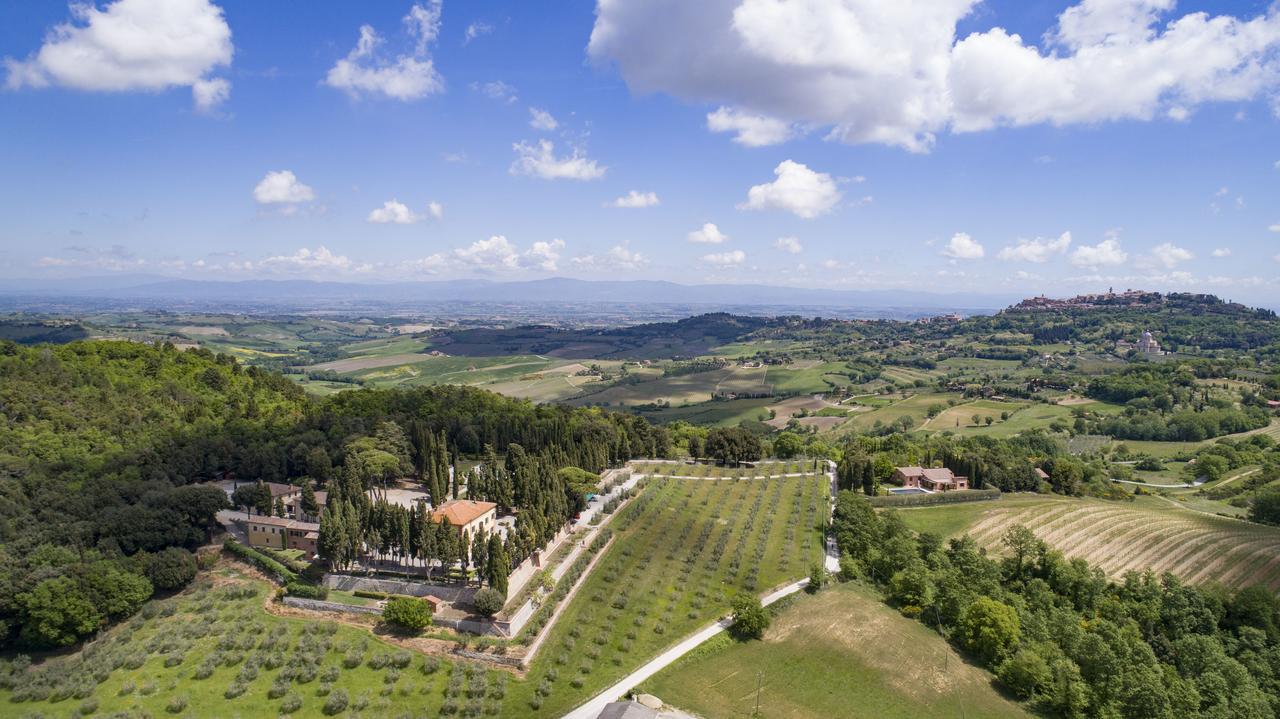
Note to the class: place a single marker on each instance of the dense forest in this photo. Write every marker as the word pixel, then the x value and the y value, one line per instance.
pixel 106 447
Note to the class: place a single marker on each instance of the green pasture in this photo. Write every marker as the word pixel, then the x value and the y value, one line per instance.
pixel 839 653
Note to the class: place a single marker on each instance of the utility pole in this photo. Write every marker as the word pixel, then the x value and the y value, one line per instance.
pixel 759 681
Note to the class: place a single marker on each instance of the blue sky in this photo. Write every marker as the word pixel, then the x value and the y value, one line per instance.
pixel 946 145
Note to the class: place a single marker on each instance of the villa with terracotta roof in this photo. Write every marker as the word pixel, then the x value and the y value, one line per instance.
pixel 467 515
pixel 931 479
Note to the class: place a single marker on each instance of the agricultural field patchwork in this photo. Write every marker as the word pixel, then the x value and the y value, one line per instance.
pixel 682 550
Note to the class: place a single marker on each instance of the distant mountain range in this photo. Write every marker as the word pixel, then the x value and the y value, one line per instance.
pixel 558 290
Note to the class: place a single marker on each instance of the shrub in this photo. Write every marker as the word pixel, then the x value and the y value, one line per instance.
pixel 401 660
pixel 291 704
pixel 378 661
pixel 279 688
pixel 367 594
pixel 337 702
pixel 488 601
pixel 177 704
pixel 430 665
pixel 407 615
pixel 307 591
pixel 236 689
pixel 88 706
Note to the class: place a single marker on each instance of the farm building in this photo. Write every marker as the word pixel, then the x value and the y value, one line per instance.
pixel 930 479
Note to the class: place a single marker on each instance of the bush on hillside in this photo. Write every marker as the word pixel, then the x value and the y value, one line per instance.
pixel 407 615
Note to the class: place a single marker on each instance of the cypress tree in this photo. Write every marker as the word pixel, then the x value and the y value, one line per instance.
pixel 498 567
pixel 480 554
pixel 309 505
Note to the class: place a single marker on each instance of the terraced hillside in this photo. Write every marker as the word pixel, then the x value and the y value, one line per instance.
pixel 1149 534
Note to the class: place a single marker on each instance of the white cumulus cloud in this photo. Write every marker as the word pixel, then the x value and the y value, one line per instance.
pixel 751 130
pixel 281 187
pixel 635 200
pixel 540 160
pixel 395 212
pixel 790 245
pixel 1222 252
pixel 498 254
pixel 1105 253
pixel 895 72
pixel 708 234
pixel 726 259
pixel 1038 250
pixel 147 45
pixel 963 247
pixel 409 76
pixel 797 189
pixel 1168 256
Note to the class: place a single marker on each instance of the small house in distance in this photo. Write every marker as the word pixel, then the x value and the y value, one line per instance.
pixel 930 479
pixel 468 516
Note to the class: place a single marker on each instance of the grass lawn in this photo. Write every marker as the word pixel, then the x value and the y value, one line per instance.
pixel 344 597
pixel 682 549
pixel 952 519
pixel 810 380
pixel 839 653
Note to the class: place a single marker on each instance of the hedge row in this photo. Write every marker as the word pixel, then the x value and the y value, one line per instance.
pixel 923 500
pixel 307 591
pixel 261 561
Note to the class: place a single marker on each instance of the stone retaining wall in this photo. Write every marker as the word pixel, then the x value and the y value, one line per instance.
pixel 448 592
pixel 323 606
